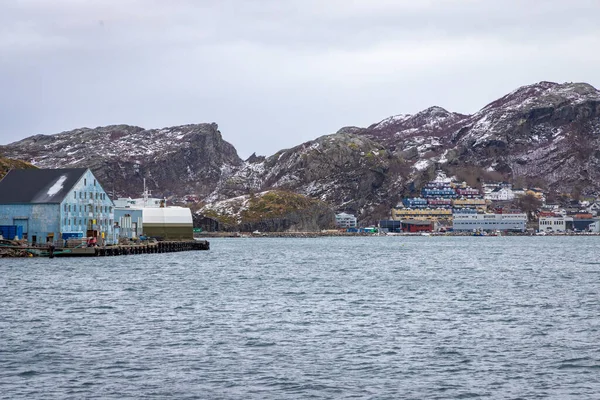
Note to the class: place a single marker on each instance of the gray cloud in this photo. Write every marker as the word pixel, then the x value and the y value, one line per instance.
pixel 274 73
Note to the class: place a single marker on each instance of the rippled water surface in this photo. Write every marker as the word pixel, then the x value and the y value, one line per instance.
pixel 382 317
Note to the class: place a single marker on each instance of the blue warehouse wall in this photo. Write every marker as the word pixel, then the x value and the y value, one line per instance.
pixel 88 208
pixel 39 221
pixel 130 222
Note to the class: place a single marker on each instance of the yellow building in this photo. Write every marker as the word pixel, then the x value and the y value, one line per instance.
pixel 469 203
pixel 421 214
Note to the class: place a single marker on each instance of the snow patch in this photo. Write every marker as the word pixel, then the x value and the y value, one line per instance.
pixel 58 186
pixel 421 165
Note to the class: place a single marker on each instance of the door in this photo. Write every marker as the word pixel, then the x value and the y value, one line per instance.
pixel 24 223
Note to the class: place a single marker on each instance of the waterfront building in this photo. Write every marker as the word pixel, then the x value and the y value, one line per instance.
pixel 129 222
pixel 150 217
pixel 555 223
pixel 581 222
pixel 474 221
pixel 390 226
pixel 415 225
pixel 53 205
pixel 345 220
pixel 585 224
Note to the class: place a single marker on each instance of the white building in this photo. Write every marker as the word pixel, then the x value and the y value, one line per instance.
pixel 594 208
pixel 555 224
pixel 489 222
pixel 151 216
pixel 500 194
pixel 344 220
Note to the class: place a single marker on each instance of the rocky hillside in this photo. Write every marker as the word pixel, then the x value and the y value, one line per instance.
pixel 177 160
pixel 271 211
pixel 546 134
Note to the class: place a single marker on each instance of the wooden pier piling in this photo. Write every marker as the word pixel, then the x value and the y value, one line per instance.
pixel 106 251
pixel 153 248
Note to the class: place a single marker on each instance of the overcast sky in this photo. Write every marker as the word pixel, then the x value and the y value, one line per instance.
pixel 276 73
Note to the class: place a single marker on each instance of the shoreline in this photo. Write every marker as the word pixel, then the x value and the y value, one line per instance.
pixel 243 235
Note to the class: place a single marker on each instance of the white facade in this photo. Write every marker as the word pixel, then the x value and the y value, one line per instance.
pixel 553 224
pixel 167 215
pixel 500 194
pixel 595 227
pixel 489 222
pixel 128 202
pixel 344 220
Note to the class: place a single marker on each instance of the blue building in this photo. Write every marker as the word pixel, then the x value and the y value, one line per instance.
pixel 415 202
pixel 52 205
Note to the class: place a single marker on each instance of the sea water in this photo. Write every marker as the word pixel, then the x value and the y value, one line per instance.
pixel 263 318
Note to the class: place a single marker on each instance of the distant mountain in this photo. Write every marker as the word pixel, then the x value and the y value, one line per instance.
pixel 177 160
pixel 546 134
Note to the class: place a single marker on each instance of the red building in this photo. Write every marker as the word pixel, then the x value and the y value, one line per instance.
pixel 414 225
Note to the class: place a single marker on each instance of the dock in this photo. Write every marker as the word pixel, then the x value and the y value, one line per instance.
pixel 105 251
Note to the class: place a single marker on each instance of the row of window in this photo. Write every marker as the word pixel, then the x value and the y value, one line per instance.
pixel 88 207
pixel 486 223
pixel 84 221
pixel 552 222
pixel 84 195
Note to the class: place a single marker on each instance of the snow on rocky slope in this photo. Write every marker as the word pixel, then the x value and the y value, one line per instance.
pixel 177 160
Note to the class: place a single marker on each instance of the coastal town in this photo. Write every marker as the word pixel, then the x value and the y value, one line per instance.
pixel 446 205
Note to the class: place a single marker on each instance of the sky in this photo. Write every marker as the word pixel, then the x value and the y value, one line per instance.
pixel 275 73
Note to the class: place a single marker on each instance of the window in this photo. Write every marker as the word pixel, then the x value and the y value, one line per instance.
pixel 94 182
pixel 75 193
pixel 84 182
pixel 91 195
pixel 85 195
pixel 65 207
